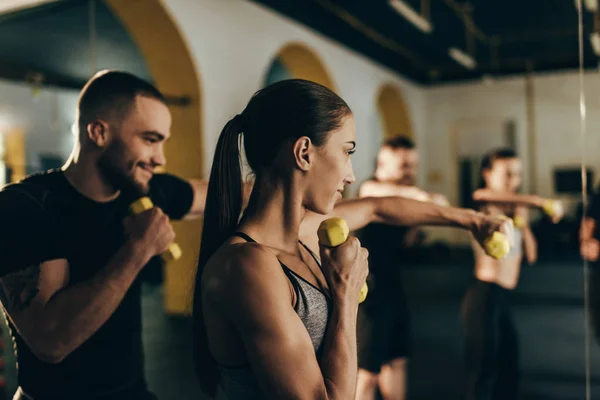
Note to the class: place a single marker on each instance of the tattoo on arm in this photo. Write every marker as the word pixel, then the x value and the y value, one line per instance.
pixel 17 290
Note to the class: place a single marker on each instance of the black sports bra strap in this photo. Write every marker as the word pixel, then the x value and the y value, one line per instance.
pixel 288 272
pixel 314 256
pixel 243 236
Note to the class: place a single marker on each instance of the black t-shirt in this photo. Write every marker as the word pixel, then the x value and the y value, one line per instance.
pixel 387 250
pixel 45 218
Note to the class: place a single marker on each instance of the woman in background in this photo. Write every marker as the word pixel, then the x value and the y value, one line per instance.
pixel 492 365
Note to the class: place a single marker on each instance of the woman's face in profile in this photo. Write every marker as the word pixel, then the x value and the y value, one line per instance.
pixel 332 170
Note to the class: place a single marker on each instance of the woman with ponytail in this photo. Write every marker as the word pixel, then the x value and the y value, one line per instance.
pixel 491 339
pixel 272 318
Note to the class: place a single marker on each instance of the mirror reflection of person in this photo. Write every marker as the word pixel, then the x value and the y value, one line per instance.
pixel 384 335
pixel 491 337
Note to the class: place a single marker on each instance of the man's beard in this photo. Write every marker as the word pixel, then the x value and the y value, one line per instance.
pixel 119 173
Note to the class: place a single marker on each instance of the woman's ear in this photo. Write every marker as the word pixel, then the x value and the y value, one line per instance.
pixel 303 153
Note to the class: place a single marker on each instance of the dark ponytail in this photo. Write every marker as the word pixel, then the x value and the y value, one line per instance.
pixel 222 211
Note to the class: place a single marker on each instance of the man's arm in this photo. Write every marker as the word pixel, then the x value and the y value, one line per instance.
pixel 393 211
pixel 490 196
pixel 54 319
pixel 200 188
pixel 551 207
pixel 372 188
pixel 277 344
pixel 439 199
pixel 587 228
pixel 589 246
pixel 529 241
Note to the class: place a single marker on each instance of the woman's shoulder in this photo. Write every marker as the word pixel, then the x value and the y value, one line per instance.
pixel 241 268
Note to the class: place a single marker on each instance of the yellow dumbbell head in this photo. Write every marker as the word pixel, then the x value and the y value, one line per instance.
pixel 140 205
pixel 519 222
pixel 497 245
pixel 363 293
pixel 173 253
pixel 552 207
pixel 333 232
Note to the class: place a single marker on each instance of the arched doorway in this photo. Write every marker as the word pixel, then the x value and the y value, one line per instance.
pixel 176 75
pixel 393 112
pixel 297 60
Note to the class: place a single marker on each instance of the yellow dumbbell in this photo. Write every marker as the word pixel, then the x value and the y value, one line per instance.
pixel 142 204
pixel 333 232
pixel 519 222
pixel 498 245
pixel 552 208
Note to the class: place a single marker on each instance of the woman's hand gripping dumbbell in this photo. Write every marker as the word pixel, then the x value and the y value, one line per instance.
pixel 344 260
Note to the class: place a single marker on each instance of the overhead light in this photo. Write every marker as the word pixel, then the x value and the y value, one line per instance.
pixel 595 41
pixel 411 15
pixel 462 58
pixel 590 5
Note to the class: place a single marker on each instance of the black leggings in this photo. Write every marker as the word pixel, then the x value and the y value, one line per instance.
pixel 491 343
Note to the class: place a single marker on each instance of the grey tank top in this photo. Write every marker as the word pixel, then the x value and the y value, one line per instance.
pixel 312 306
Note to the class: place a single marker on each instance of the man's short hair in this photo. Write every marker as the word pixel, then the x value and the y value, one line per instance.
pixel 109 95
pixel 399 142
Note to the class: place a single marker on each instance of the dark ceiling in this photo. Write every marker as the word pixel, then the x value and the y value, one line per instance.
pixel 508 37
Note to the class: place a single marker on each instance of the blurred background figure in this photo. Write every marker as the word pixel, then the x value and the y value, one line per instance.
pixel 384 334
pixel 491 339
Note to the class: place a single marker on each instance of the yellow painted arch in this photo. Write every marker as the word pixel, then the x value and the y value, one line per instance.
pixel 395 117
pixel 175 74
pixel 14 153
pixel 302 62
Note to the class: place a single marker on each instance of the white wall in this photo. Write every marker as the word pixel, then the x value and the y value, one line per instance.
pixel 557 121
pixel 233 43
pixel 46 118
pixel 463 105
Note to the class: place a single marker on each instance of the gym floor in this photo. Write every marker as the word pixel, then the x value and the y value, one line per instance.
pixel 548 310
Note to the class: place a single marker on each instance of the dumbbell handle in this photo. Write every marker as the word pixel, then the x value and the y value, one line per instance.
pixel 142 204
pixel 334 232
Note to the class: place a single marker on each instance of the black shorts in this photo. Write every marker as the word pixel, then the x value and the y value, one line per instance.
pixel 383 328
